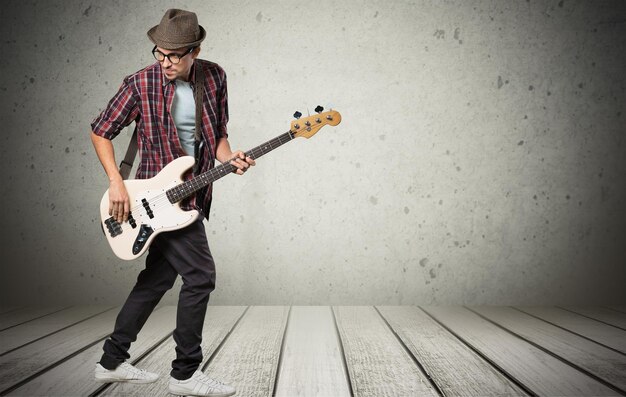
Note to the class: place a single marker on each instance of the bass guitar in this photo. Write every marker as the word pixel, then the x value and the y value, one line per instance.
pixel 155 202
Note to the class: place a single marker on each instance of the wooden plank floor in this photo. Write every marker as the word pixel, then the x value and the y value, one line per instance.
pixel 332 351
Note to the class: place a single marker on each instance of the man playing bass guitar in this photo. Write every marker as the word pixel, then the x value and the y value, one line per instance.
pixel 161 100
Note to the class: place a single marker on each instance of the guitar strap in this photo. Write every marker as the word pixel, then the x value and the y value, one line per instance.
pixel 127 164
pixel 198 91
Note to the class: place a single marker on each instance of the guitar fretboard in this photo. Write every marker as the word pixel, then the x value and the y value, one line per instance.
pixel 187 188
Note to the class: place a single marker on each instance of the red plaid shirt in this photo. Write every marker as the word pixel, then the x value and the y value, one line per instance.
pixel 146 98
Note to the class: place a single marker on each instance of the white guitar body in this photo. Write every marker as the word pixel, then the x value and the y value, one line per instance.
pixel 151 211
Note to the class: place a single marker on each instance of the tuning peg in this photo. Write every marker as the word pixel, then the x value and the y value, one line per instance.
pixel 297 115
pixel 319 109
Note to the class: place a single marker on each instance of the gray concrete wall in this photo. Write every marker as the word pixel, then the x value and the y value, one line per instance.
pixel 481 158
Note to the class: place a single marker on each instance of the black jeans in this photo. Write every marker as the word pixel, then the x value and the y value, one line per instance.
pixel 185 252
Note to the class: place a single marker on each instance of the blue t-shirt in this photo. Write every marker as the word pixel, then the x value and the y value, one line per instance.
pixel 184 114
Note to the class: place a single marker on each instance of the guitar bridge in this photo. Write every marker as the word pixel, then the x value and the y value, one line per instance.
pixel 113 226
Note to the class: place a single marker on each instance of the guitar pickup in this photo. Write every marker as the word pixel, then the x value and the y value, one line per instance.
pixel 146 205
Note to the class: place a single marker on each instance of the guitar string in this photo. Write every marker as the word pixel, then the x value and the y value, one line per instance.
pixel 198 182
pixel 161 200
pixel 154 201
pixel 198 179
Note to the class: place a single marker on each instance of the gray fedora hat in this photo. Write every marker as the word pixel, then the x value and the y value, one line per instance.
pixel 178 29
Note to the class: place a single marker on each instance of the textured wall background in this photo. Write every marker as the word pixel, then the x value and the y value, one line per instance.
pixel 481 158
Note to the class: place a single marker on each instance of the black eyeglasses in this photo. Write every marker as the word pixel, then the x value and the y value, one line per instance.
pixel 173 57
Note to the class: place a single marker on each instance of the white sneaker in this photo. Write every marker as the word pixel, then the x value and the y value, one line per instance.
pixel 124 373
pixel 200 385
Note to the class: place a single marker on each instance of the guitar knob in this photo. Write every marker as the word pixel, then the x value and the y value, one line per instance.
pixel 319 109
pixel 297 115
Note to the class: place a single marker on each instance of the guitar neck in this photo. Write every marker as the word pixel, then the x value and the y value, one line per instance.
pixel 187 188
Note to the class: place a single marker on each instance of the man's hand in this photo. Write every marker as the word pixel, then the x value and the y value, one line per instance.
pixel 239 160
pixel 119 203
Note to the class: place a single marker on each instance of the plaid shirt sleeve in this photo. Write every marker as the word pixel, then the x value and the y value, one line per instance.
pixel 119 113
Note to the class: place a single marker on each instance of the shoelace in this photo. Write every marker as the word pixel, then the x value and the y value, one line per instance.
pixel 209 382
pixel 134 370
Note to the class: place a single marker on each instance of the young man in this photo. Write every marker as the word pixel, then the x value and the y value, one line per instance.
pixel 160 99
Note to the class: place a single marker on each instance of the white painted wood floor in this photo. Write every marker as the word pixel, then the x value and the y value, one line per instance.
pixel 332 351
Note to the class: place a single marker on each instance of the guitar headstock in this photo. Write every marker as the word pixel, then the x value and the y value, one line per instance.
pixel 308 126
